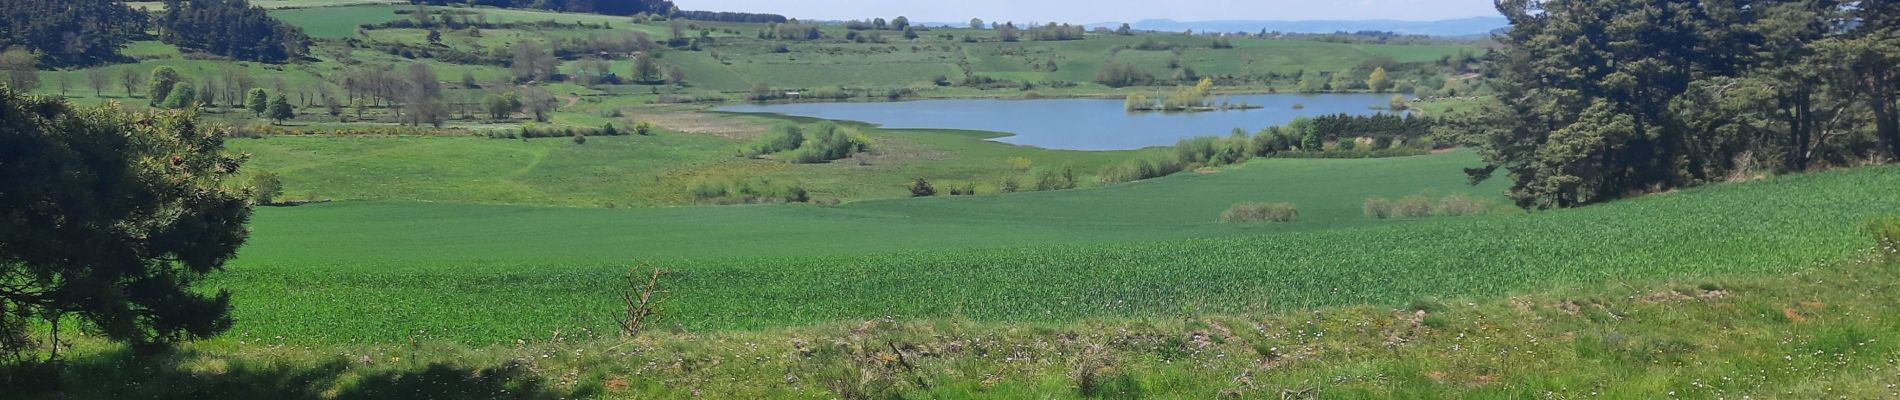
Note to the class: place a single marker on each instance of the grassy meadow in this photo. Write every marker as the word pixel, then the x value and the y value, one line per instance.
pixel 459 263
pixel 384 272
pixel 1820 331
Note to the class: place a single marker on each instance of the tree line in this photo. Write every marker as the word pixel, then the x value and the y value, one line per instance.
pixel 1597 100
pixel 608 7
pixel 70 32
pixel 230 28
pixel 722 16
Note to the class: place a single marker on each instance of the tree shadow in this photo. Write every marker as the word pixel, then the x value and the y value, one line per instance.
pixel 175 375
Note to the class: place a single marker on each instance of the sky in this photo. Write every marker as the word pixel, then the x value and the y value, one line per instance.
pixel 1093 11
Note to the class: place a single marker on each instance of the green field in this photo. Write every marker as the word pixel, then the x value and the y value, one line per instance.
pixel 387 271
pixel 462 263
pixel 733 63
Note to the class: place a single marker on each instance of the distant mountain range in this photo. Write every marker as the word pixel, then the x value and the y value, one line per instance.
pixel 1451 27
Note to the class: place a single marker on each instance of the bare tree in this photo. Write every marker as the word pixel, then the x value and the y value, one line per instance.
pixel 645 69
pixel 99 79
pixel 533 62
pixel 538 101
pixel 675 75
pixel 131 79
pixel 425 97
pixel 22 69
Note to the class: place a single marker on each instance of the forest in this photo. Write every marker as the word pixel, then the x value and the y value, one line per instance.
pixel 1598 100
pixel 608 7
pixel 70 32
pixel 230 28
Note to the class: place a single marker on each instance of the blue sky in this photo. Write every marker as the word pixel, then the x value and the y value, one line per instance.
pixel 1090 11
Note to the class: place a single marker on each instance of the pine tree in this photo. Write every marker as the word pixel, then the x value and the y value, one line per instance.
pixel 258 101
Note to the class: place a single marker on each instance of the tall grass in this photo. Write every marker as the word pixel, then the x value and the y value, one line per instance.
pixel 1886 234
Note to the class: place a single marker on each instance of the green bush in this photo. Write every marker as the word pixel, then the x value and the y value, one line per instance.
pixel 747 191
pixel 266 187
pixel 1886 233
pixel 1055 178
pixel 1251 212
pixel 1010 184
pixel 921 188
pixel 1196 150
pixel 820 143
pixel 780 138
pixel 1148 165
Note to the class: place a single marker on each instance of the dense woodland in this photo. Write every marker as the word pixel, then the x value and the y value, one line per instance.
pixel 230 28
pixel 609 7
pixel 1602 99
pixel 69 32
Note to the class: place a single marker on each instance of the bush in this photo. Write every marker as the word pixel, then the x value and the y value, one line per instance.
pixel 965 189
pixel 780 138
pixel 1010 185
pixel 1461 205
pixel 747 191
pixel 1378 207
pixel 822 143
pixel 1886 233
pixel 1149 165
pixel 266 187
pixel 1055 178
pixel 1252 212
pixel 1421 206
pixel 922 188
pixel 1196 150
pixel 1414 206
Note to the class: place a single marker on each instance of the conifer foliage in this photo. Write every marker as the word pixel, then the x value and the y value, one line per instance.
pixel 231 28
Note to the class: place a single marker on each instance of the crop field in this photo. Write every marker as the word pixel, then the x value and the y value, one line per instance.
pixel 387 271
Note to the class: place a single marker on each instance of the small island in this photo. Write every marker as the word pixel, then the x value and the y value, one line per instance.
pixel 1188 99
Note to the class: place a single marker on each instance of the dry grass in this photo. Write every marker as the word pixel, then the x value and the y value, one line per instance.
pixel 1261 212
pixel 706 124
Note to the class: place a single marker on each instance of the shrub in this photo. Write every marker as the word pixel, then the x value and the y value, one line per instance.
pixel 266 187
pixel 964 189
pixel 1378 207
pixel 747 191
pixel 1886 233
pixel 1010 185
pixel 1461 205
pixel 1149 165
pixel 580 139
pixel 922 188
pixel 821 143
pixel 1055 178
pixel 1196 150
pixel 1414 206
pixel 1251 212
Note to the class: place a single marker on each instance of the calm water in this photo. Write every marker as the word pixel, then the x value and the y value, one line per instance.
pixel 1078 124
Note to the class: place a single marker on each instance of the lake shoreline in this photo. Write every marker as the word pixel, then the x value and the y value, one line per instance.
pixel 1083 124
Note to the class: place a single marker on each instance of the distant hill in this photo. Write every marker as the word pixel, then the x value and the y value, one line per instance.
pixel 1451 27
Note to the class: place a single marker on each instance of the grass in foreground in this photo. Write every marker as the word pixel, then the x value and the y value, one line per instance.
pixel 389 272
pixel 1816 332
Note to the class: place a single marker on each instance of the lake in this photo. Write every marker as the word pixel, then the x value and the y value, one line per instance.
pixel 1078 124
